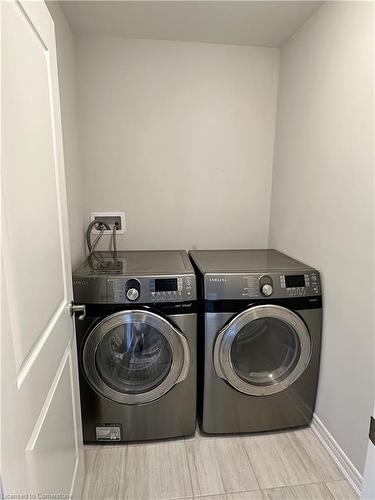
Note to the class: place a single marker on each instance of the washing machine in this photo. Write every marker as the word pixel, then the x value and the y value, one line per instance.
pixel 261 319
pixel 136 338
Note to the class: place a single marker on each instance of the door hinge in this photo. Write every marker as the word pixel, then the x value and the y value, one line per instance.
pixel 75 308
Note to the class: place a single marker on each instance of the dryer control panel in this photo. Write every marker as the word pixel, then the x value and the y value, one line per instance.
pixel 233 286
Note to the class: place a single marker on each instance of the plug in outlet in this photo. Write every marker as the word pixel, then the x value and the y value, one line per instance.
pixel 112 219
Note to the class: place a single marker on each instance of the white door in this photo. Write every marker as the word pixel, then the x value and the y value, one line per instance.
pixel 41 437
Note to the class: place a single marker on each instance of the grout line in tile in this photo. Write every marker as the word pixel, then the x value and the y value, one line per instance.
pixel 188 466
pixel 121 487
pixel 301 484
pixel 338 480
pixel 262 489
pixel 341 480
pixel 330 492
pixel 250 464
pixel 213 495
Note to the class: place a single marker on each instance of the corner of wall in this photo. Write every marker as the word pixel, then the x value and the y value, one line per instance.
pixel 276 117
pixel 66 60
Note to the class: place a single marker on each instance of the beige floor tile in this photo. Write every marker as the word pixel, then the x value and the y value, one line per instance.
pixel 341 490
pixel 156 471
pixel 216 468
pixel 219 466
pixel 289 458
pixel 316 491
pixel 104 466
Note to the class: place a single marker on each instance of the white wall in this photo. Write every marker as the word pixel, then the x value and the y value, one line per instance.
pixel 322 201
pixel 180 137
pixel 67 86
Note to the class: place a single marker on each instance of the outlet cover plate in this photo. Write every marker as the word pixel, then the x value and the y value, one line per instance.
pixel 104 215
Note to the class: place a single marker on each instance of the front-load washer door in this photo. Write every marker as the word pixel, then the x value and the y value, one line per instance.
pixel 135 356
pixel 263 350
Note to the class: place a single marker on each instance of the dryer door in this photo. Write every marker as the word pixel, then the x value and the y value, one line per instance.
pixel 263 350
pixel 135 357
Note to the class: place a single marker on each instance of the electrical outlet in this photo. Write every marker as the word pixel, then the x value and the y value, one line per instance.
pixel 112 219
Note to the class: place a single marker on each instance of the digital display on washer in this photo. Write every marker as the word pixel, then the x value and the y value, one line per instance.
pixel 295 280
pixel 166 285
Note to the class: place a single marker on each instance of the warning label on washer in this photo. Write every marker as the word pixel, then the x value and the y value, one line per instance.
pixel 110 432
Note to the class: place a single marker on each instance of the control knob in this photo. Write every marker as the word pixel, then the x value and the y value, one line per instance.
pixel 267 290
pixel 132 294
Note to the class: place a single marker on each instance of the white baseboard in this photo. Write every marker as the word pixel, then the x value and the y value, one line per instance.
pixel 338 455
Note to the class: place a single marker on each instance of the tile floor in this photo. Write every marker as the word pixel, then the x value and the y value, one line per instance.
pixel 280 466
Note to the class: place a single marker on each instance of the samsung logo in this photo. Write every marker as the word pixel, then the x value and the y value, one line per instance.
pixel 80 282
pixel 218 279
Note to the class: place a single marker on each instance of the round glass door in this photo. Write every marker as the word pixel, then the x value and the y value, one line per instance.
pixel 134 357
pixel 263 350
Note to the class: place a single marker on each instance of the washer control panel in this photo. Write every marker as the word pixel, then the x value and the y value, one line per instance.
pixel 297 285
pixel 232 286
pixel 172 289
pixel 148 290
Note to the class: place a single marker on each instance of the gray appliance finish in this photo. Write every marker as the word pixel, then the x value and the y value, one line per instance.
pixel 136 345
pixel 261 316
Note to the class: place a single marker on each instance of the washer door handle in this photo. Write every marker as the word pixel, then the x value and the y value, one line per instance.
pixel 186 353
pixel 217 362
pixel 75 308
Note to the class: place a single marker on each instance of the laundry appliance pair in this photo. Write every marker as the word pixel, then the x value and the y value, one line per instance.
pixel 248 321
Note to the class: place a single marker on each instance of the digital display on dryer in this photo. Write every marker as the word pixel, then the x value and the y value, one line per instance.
pixel 295 280
pixel 166 285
